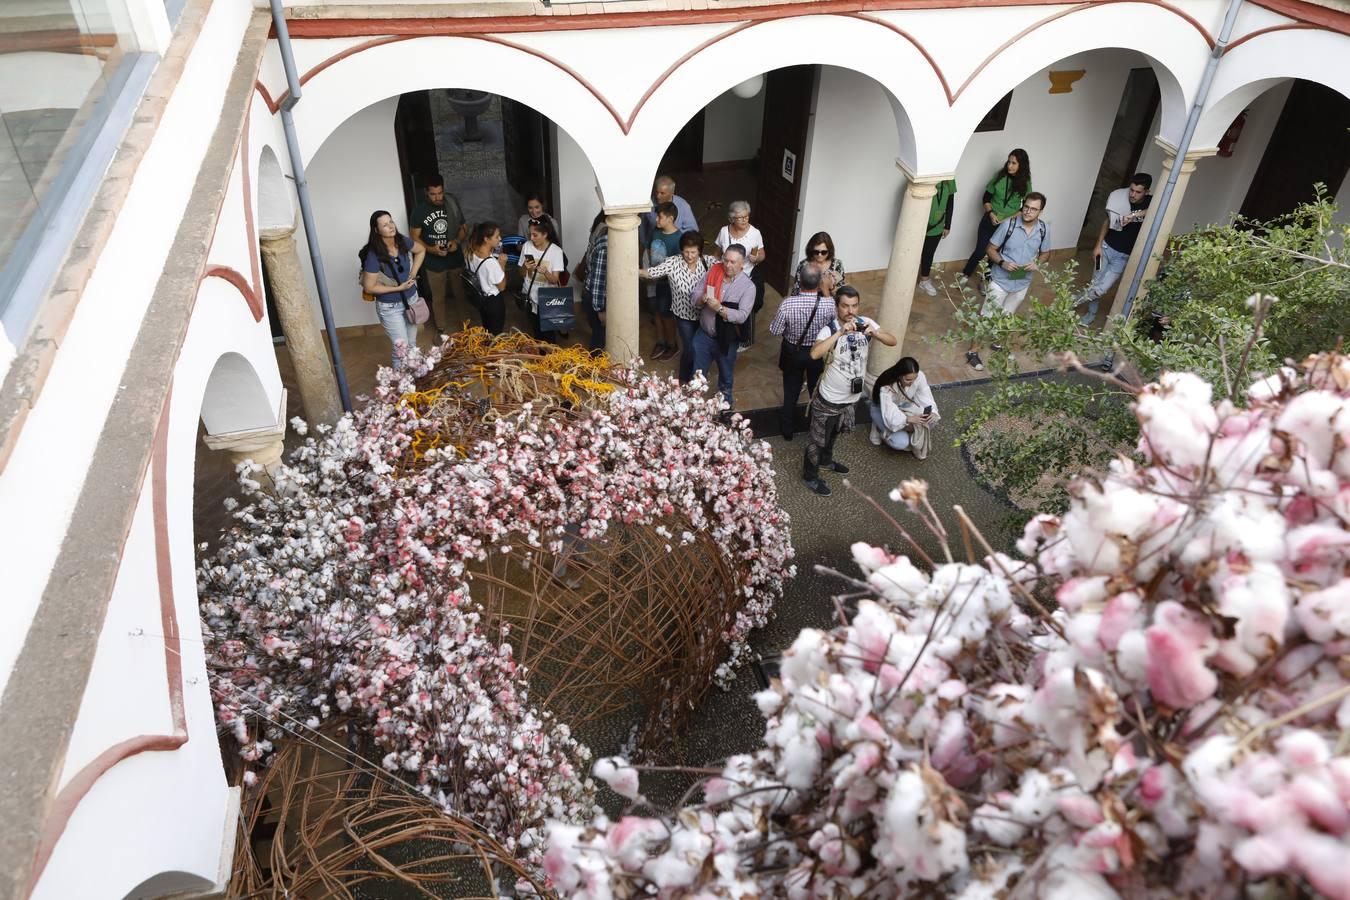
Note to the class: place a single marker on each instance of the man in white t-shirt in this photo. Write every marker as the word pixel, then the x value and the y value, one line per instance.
pixel 843 344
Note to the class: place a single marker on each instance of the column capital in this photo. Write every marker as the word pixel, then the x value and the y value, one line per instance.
pixel 630 209
pixel 244 442
pixel 915 178
pixel 1193 155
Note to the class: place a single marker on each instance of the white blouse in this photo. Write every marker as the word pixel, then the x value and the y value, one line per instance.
pixel 752 240
pixel 554 259
pixel 490 274
pixel 682 282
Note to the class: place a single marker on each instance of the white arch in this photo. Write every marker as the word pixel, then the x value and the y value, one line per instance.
pixel 351 84
pixel 235 399
pixel 1174 48
pixel 275 209
pixel 1254 67
pixel 874 51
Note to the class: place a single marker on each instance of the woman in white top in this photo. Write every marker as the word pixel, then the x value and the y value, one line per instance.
pixel 541 259
pixel 488 272
pixel 903 409
pixel 738 230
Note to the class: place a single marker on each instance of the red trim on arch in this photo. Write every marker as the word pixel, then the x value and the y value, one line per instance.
pixel 1307 13
pixel 68 799
pixel 670 70
pixel 1065 12
pixel 1291 26
pixel 241 283
pixel 272 105
pixel 377 42
pixel 946 89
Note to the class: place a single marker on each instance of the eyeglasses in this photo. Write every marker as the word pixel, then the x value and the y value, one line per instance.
pixel 820 251
pixel 744 218
pixel 1030 207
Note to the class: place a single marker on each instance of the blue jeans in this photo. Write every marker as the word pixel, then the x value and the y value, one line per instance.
pixel 686 329
pixel 898 440
pixel 706 353
pixel 397 326
pixel 1113 263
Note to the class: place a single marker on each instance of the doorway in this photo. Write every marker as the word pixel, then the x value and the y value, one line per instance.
pixel 1309 145
pixel 1129 137
pixel 788 99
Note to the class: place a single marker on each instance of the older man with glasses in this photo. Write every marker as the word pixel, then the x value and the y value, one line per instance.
pixel 1015 249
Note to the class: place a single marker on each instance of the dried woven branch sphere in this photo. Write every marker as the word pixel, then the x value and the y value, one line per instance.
pixel 632 624
pixel 616 625
pixel 320 826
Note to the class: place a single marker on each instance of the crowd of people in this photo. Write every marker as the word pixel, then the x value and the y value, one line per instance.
pixel 701 304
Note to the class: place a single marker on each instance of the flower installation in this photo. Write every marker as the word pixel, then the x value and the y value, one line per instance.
pixel 345 593
pixel 1155 702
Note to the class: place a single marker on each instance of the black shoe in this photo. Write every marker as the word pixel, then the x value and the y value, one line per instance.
pixel 788 435
pixel 836 466
pixel 819 487
pixel 973 360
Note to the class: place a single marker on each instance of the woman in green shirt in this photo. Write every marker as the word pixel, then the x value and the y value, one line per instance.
pixel 1002 199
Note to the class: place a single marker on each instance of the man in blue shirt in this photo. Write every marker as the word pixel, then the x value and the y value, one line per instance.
pixel 664 192
pixel 1015 249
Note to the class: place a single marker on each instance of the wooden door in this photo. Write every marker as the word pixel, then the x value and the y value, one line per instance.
pixel 1129 137
pixel 1309 145
pixel 525 141
pixel 782 151
pixel 415 143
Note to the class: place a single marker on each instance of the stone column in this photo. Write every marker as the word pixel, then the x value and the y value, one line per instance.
pixel 621 281
pixel 304 339
pixel 1169 218
pixel 264 446
pixel 897 294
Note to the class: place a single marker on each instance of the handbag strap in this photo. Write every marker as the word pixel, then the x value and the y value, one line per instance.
pixel 535 273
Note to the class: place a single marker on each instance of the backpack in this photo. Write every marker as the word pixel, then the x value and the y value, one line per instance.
pixel 476 296
pixel 1040 227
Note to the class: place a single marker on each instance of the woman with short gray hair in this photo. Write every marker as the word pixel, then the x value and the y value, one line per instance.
pixel 738 230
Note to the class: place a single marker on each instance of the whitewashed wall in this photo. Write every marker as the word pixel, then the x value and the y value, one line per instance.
pixel 853 187
pixel 731 128
pixel 578 201
pixel 353 173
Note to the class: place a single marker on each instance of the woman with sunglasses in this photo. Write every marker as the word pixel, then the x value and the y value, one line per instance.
pixel 820 250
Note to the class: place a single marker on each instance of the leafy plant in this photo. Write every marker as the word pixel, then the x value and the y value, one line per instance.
pixel 1201 316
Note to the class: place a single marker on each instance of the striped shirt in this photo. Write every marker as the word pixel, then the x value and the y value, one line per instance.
pixel 682 282
pixel 794 313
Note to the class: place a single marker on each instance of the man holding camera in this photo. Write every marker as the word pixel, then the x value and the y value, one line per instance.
pixel 843 344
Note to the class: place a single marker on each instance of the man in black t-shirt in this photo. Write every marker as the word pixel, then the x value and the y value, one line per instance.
pixel 1125 209
pixel 439 224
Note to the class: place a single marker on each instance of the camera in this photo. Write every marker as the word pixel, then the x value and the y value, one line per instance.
pixel 856 385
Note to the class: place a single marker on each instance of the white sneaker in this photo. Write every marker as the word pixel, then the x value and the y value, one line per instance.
pixel 927 287
pixel 875 437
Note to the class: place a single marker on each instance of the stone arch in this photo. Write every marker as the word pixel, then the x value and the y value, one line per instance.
pixel 1176 52
pixel 235 399
pixel 358 78
pixel 1267 60
pixel 876 51
pixel 275 209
